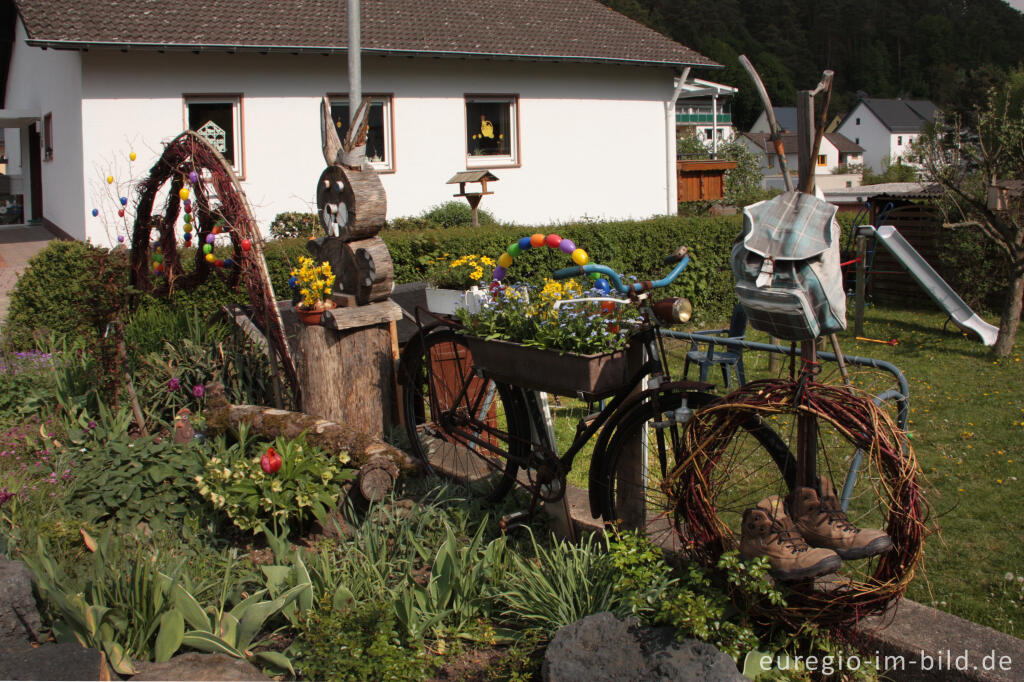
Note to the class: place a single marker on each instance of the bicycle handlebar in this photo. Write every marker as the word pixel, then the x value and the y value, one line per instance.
pixel 616 281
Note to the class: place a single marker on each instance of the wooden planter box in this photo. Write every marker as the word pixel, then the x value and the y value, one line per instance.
pixel 591 377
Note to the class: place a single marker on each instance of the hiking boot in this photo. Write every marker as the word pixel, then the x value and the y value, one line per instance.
pixel 768 532
pixel 823 523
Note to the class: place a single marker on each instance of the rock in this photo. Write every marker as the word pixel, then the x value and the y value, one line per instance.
pixel 19 619
pixel 67 661
pixel 201 668
pixel 602 648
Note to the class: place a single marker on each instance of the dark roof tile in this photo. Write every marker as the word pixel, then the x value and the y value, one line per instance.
pixel 576 30
pixel 901 116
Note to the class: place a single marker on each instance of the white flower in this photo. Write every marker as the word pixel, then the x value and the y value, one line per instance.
pixel 1008 576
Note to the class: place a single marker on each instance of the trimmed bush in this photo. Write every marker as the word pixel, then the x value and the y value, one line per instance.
pixel 629 247
pixel 447 215
pixel 291 225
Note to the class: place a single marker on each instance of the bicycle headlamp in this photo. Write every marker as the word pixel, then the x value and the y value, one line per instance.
pixel 673 310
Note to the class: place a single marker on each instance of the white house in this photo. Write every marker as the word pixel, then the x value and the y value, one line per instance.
pixel 704 109
pixel 835 152
pixel 886 127
pixel 550 95
pixel 784 116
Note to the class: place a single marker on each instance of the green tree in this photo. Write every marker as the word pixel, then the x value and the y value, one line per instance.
pixel 742 183
pixel 893 172
pixel 967 163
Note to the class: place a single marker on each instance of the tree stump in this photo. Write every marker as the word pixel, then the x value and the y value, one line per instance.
pixel 347 367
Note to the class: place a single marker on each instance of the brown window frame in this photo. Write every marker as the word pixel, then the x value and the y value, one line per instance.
pixel 237 102
pixel 516 159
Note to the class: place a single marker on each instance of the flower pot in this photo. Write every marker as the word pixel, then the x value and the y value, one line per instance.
pixel 313 315
pixel 570 374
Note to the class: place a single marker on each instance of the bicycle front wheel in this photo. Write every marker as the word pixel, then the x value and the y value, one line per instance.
pixel 631 485
pixel 459 425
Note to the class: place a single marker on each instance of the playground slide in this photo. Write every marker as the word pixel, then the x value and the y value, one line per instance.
pixel 942 293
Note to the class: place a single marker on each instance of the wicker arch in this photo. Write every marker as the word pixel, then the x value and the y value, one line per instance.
pixel 217 199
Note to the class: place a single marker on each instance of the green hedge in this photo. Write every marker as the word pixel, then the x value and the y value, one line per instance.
pixel 56 292
pixel 629 247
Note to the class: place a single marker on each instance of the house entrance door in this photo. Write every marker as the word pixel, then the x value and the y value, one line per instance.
pixel 35 174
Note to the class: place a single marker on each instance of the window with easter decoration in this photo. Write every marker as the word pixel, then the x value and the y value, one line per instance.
pixel 492 127
pixel 219 120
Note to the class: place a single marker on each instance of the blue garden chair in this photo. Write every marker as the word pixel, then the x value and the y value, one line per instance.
pixel 730 360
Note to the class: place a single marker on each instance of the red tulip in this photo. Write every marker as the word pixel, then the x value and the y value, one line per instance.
pixel 270 462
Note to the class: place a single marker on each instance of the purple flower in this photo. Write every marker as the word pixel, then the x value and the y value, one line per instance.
pixel 198 391
pixel 173 384
pixel 91 425
pixel 5 495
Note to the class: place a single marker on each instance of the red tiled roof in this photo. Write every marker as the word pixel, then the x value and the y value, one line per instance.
pixel 574 30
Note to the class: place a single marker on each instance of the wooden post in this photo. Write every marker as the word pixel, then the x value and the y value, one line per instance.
pixel 861 291
pixel 347 367
pixel 807 426
pixel 805 140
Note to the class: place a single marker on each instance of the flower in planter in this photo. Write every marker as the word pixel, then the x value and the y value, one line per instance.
pixel 459 273
pixel 528 315
pixel 313 281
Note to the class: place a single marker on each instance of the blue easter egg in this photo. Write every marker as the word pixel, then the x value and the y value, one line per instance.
pixel 603 285
pixel 95 212
pixel 525 244
pixel 124 201
pixel 293 282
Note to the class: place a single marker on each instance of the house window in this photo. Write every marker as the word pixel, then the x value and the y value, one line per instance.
pixel 218 118
pixel 822 160
pixel 858 121
pixel 379 136
pixel 899 140
pixel 48 137
pixel 492 130
pixel 856 140
pixel 771 160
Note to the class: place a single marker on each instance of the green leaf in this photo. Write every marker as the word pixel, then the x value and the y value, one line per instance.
pixel 169 638
pixel 275 660
pixel 277 578
pixel 119 661
pixel 343 597
pixel 210 643
pixel 228 630
pixel 190 609
pixel 254 619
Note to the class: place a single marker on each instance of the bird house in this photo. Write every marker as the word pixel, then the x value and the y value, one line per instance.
pixel 480 176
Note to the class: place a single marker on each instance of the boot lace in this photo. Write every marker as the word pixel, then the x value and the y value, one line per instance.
pixel 786 534
pixel 835 516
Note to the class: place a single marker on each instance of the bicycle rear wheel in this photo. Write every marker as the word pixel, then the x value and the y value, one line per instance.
pixel 630 484
pixel 460 425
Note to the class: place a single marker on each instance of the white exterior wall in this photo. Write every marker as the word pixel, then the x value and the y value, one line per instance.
pixel 593 138
pixel 870 134
pixel 48 81
pixel 823 175
pixel 899 146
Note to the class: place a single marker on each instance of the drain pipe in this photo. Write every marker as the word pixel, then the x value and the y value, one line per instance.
pixel 670 147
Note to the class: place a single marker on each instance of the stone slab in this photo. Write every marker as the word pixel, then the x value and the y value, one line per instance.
pixel 67 661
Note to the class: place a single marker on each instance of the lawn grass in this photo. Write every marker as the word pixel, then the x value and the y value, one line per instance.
pixel 967 429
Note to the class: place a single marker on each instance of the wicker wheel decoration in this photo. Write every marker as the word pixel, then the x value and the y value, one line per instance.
pixel 202 185
pixel 699 490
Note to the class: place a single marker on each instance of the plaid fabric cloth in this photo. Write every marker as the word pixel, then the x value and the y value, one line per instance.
pixel 787 267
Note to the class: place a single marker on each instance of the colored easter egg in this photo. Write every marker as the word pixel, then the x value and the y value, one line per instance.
pixel 293 281
pixel 120 239
pixel 132 156
pixel 499 274
pixel 158 257
pixel 229 262
pixel 514 250
pixel 567 246
pixel 553 240
pixel 187 237
pixel 187 227
pixel 246 245
pixel 124 201
pixel 537 240
pixel 158 268
pixel 193 177
pixel 495 286
pixel 210 258
pixel 187 217
pixel 219 263
pixel 188 204
pixel 120 212
pixel 603 285
pixel 595 276
pixel 216 229
pixel 525 244
pixel 183 193
pixel 110 179
pixel 580 257
pixel 207 248
pixel 607 307
pixel 504 260
pixel 210 239
pixel 188 208
pixel 95 212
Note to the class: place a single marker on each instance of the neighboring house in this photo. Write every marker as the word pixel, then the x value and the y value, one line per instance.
pixel 784 116
pixel 550 95
pixel 886 127
pixel 836 151
pixel 704 109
